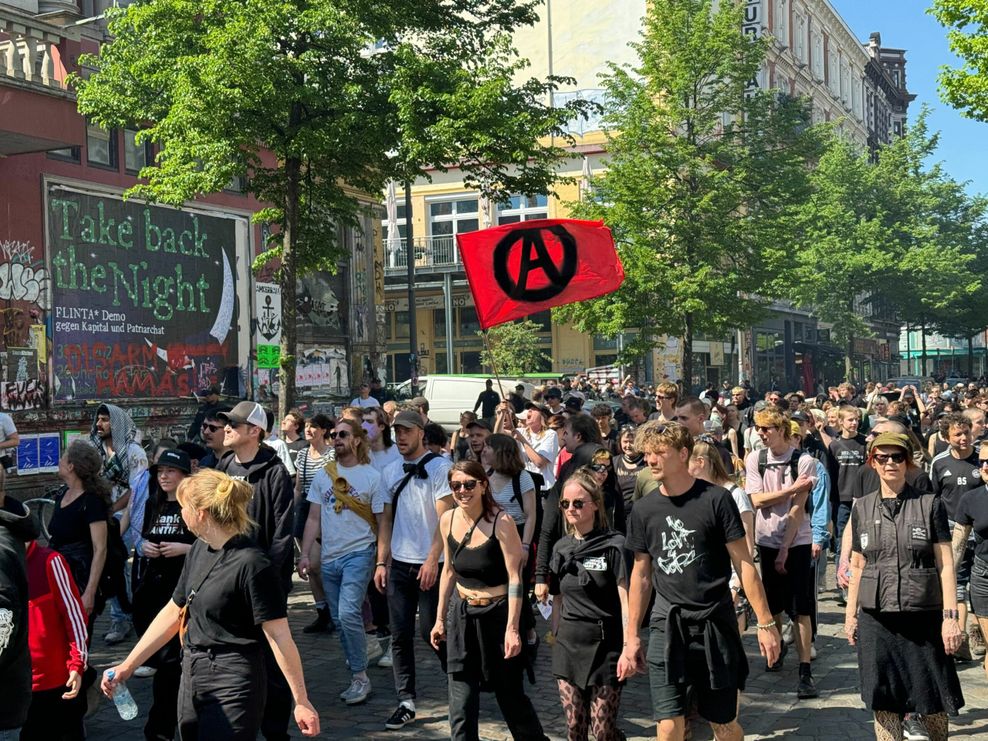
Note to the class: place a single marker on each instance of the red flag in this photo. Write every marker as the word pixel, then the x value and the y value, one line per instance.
pixel 519 269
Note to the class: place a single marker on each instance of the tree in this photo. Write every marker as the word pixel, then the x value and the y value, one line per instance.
pixel 701 173
pixel 877 234
pixel 967 24
pixel 310 100
pixel 515 348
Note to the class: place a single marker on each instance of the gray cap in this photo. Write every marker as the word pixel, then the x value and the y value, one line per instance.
pixel 408 419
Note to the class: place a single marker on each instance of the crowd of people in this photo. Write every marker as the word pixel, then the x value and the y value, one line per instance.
pixel 606 509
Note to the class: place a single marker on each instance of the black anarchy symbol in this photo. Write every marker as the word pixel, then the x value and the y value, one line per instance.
pixel 532 241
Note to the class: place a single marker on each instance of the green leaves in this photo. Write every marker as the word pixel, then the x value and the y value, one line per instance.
pixel 516 348
pixel 965 87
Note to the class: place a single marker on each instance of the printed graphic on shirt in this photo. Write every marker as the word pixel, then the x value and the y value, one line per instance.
pixel 6 628
pixel 920 533
pixel 677 547
pixel 168 524
pixel 598 563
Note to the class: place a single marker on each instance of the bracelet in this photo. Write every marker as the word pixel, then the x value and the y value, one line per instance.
pixel 765 626
pixel 381 563
pixel 950 615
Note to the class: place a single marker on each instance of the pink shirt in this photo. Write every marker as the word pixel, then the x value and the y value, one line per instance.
pixel 770 522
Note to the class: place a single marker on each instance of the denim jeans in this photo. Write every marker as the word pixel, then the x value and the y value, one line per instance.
pixel 404 599
pixel 345 581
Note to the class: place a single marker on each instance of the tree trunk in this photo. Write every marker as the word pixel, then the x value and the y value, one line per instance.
pixel 849 360
pixel 922 337
pixel 287 274
pixel 688 354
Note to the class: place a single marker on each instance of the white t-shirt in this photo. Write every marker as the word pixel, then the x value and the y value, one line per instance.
pixel 281 448
pixel 381 459
pixel 345 531
pixel 545 444
pixel 505 497
pixel 370 401
pixel 415 520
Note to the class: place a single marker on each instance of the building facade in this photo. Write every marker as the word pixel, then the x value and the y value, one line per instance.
pixel 813 53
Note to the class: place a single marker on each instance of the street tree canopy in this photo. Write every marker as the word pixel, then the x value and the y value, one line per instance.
pixel 315 102
pixel 701 175
pixel 515 348
pixel 965 87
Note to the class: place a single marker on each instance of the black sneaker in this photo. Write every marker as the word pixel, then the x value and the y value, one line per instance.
pixel 913 728
pixel 806 690
pixel 777 666
pixel 400 718
pixel 322 624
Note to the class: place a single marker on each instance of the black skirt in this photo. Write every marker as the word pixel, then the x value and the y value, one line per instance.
pixel 903 666
pixel 587 651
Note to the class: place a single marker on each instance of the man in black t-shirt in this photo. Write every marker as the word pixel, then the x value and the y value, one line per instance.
pixel 847 455
pixel 272 508
pixel 487 402
pixel 685 538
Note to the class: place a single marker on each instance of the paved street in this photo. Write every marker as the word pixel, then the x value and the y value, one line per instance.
pixel 769 710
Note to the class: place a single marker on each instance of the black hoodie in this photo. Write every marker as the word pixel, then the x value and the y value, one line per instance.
pixel 271 507
pixel 17 526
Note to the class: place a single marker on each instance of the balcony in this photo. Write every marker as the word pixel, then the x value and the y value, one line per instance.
pixel 37 111
pixel 431 255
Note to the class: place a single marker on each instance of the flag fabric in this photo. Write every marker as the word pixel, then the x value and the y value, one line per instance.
pixel 515 270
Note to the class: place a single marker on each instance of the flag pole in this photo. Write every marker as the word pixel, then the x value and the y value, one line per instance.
pixel 490 353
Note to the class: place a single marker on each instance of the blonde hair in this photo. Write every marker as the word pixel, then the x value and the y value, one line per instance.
pixel 655 434
pixel 583 477
pixel 773 418
pixel 225 499
pixel 714 467
pixel 360 435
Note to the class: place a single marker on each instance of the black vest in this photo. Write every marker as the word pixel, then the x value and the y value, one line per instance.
pixel 901 571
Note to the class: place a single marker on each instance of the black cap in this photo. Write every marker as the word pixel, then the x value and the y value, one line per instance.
pixel 213 388
pixel 555 391
pixel 173 459
pixel 481 423
pixel 195 451
pixel 574 402
pixel 800 417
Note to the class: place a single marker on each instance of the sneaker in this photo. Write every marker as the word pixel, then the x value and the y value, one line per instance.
pixel 812 652
pixel 964 652
pixel 841 596
pixel 386 662
pixel 374 650
pixel 787 632
pixel 322 624
pixel 357 692
pixel 977 642
pixel 143 672
pixel 777 666
pixel 400 718
pixel 913 729
pixel 119 630
pixel 806 689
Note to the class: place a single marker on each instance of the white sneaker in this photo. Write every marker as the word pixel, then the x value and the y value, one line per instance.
pixel 357 692
pixel 143 672
pixel 812 652
pixel 386 662
pixel 374 650
pixel 787 632
pixel 118 632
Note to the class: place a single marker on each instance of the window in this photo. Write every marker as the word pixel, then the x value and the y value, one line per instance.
pixel 101 147
pixel 136 156
pixel 447 218
pixel 781 25
pixel 523 208
pixel 470 362
pixel 401 325
pixel 442 366
pixel 439 324
pixel 468 324
pixel 818 56
pixel 401 218
pixel 543 319
pixel 70 154
pixel 833 71
pixel 799 42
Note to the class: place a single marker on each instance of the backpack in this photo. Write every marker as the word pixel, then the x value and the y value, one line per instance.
pixel 419 471
pixel 538 480
pixel 792 463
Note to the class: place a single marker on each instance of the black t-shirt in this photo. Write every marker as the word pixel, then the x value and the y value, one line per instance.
pixel 847 455
pixel 70 525
pixel 952 477
pixel 598 561
pixel 686 538
pixel 296 447
pixel 241 590
pixel 973 510
pixel 626 472
pixel 167 526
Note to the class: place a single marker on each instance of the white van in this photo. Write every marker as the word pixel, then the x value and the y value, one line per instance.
pixel 449 396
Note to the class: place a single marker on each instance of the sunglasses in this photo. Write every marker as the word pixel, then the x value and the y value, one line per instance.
pixel 468 485
pixel 664 398
pixel 983 462
pixel 760 428
pixel 342 435
pixel 598 467
pixel 565 504
pixel 212 428
pixel 883 458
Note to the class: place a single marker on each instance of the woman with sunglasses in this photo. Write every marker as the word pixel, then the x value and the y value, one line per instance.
pixel 627 465
pixel 228 602
pixel 601 467
pixel 308 463
pixel 902 601
pixel 972 514
pixel 480 609
pixel 588 577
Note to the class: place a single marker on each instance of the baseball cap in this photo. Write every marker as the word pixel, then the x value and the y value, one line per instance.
pixel 890 440
pixel 213 388
pixel 553 392
pixel 481 423
pixel 795 429
pixel 800 417
pixel 520 387
pixel 574 403
pixel 173 459
pixel 408 419
pixel 761 405
pixel 246 411
pixel 419 401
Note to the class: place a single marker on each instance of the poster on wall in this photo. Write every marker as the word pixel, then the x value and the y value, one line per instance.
pixel 267 324
pixel 321 303
pixel 21 364
pixel 323 368
pixel 144 297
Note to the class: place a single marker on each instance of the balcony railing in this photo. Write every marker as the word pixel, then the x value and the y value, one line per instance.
pixel 430 254
pixel 31 51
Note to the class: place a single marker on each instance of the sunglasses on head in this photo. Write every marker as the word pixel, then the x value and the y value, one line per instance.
pixel 211 428
pixel 468 485
pixel 883 458
pixel 575 503
pixel 342 435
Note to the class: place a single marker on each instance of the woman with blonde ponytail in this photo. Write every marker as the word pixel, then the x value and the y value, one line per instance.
pixel 227 602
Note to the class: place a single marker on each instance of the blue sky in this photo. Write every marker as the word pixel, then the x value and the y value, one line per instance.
pixel 904 24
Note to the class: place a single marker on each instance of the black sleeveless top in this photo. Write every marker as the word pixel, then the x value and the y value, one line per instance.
pixel 479 567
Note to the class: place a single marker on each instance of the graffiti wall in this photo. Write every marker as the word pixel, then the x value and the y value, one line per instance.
pixel 25 297
pixel 144 298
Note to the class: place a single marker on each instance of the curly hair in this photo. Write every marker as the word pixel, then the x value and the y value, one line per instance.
pixel 88 466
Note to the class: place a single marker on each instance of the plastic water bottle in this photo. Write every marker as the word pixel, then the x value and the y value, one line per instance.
pixel 123 699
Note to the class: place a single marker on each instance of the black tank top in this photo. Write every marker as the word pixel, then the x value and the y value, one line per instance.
pixel 480 567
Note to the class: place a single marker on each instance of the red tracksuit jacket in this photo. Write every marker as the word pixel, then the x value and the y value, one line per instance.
pixel 56 620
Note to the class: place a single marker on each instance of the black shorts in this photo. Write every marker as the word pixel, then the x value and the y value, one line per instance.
pixel 795 590
pixel 670 699
pixel 979 588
